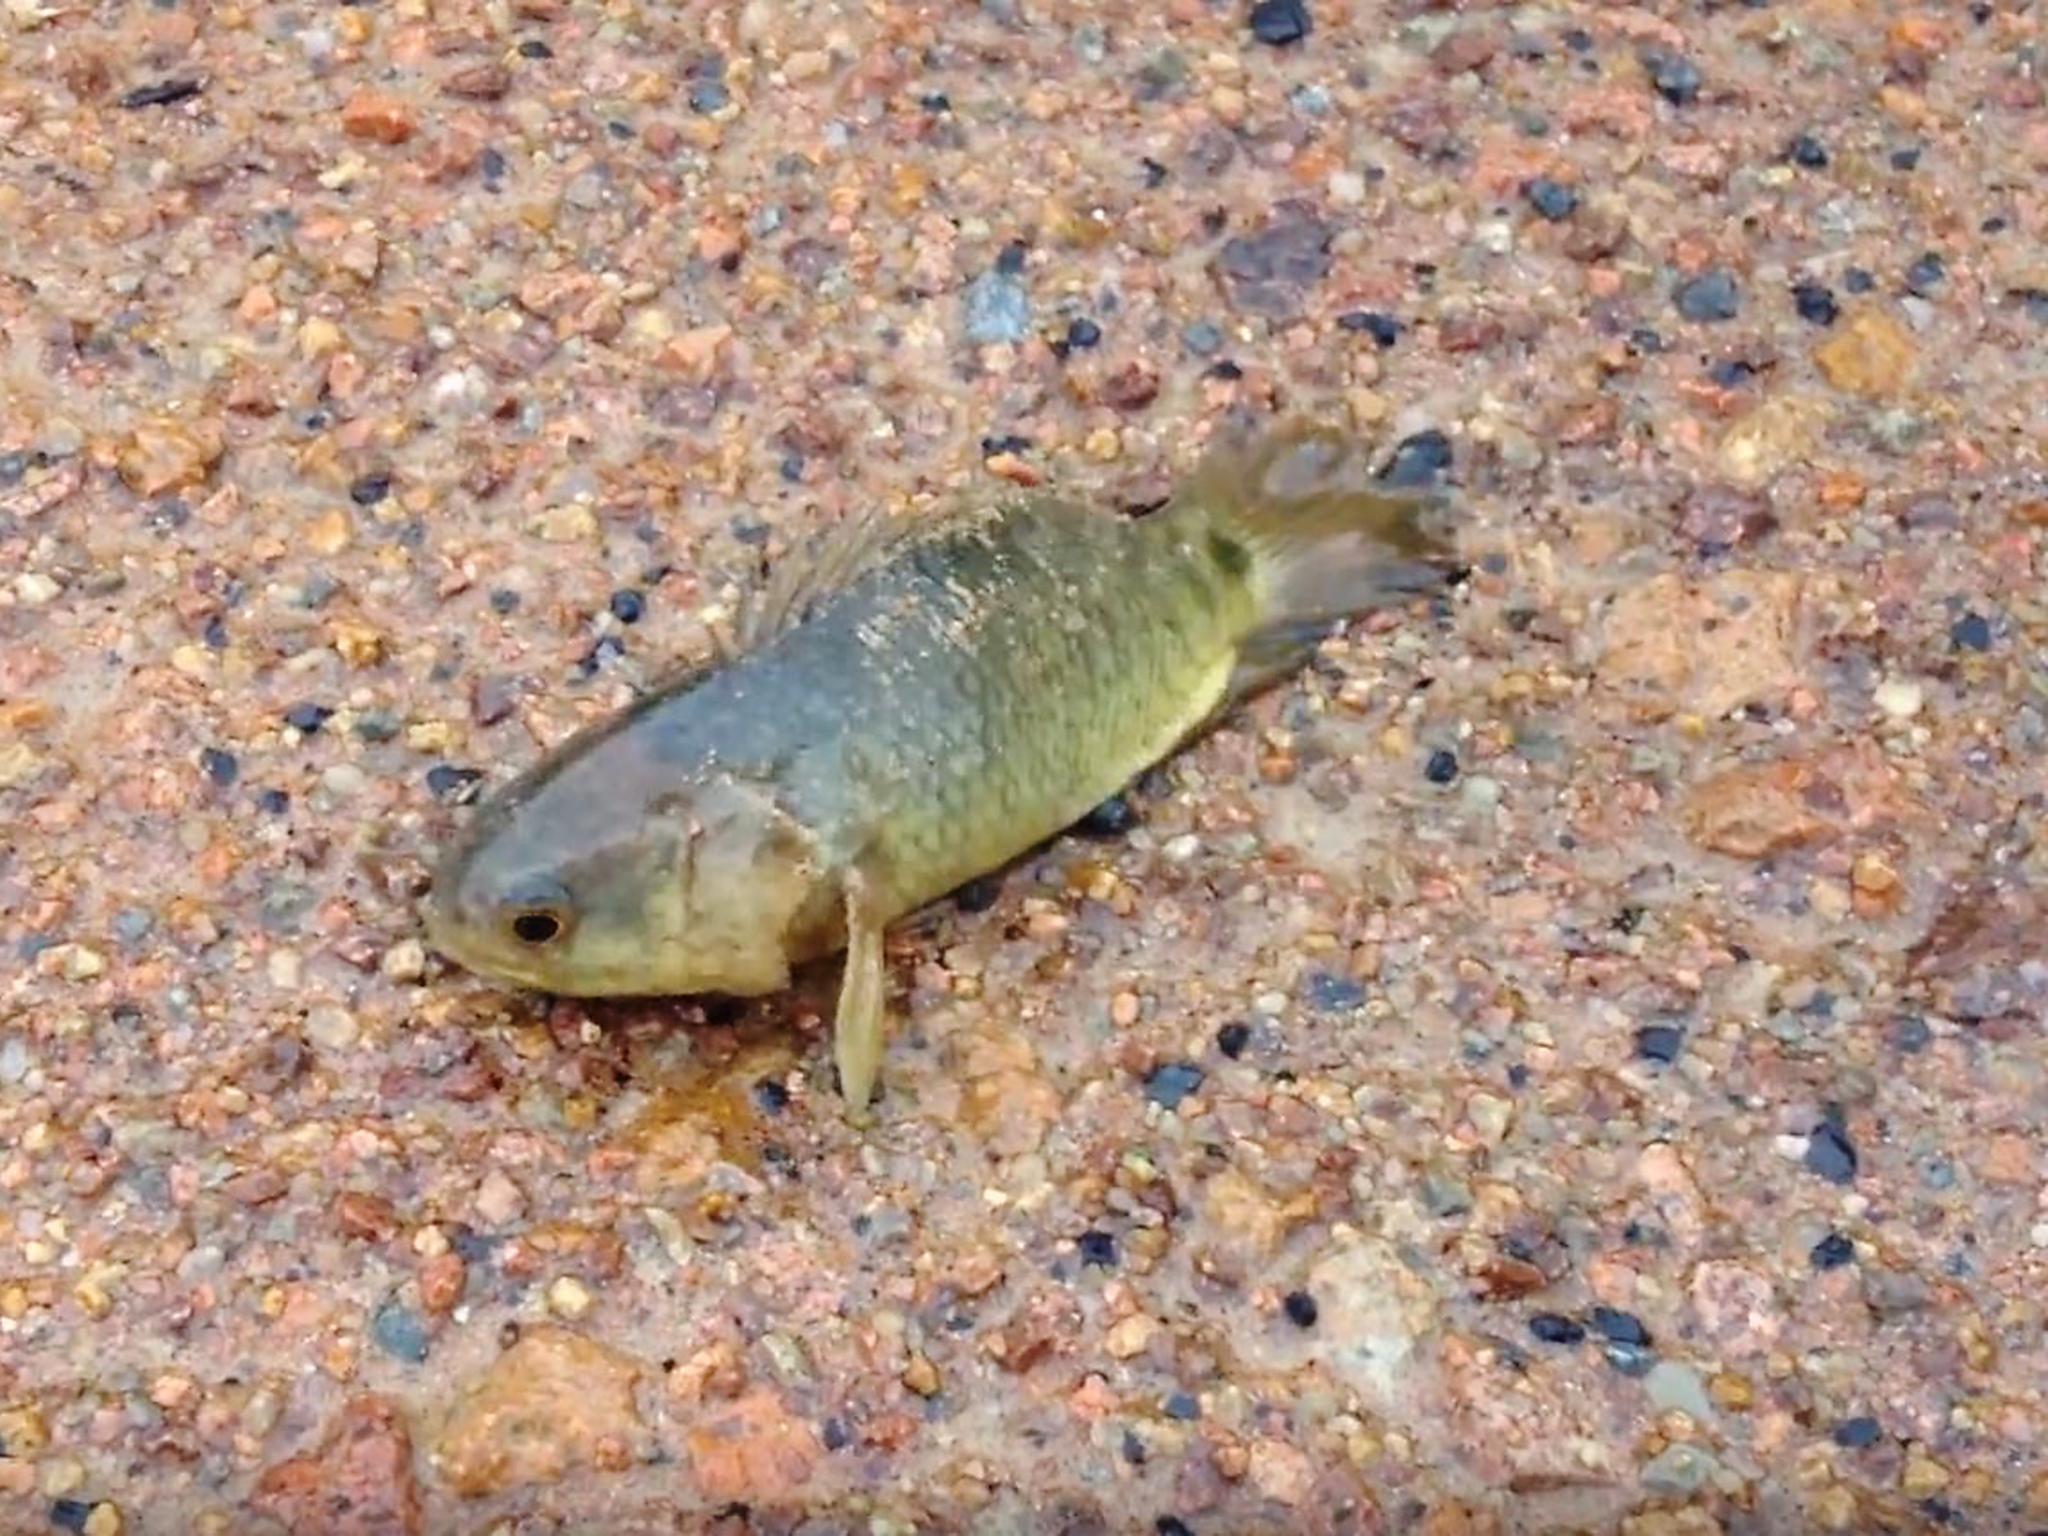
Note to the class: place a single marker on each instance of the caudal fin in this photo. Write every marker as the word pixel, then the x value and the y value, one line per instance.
pixel 1326 539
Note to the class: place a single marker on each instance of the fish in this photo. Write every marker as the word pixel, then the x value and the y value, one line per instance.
pixel 911 704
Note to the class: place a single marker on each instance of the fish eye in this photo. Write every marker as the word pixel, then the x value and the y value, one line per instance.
pixel 536 926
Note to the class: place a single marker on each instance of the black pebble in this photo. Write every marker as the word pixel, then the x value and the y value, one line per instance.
pixel 534 48
pixel 1231 1039
pixel 1172 1525
pixel 1808 151
pixel 1911 1034
pixel 1732 372
pixel 161 93
pixel 1384 329
pixel 1155 173
pixel 274 802
pixel 1082 334
pixel 493 162
pixel 936 102
pixel 836 1436
pixel 1660 1043
pixel 307 717
pixel 1645 342
pixel 1171 1083
pixel 1972 632
pixel 1442 767
pixel 504 601
pixel 1280 22
pixel 1556 1328
pixel 1926 274
pixel 70 1514
pixel 1832 1252
pixel 1183 1406
pixel 1858 1433
pixel 445 781
pixel 13 466
pixel 368 490
pixel 1010 260
pixel 1709 297
pixel 1815 303
pixel 1907 159
pixel 1553 199
pixel 1113 818
pixel 1830 1153
pixel 1301 1309
pixel 1857 280
pixel 1098 1248
pixel 627 605
pixel 1620 1327
pixel 771 1095
pixel 1419 460
pixel 220 766
pixel 1676 77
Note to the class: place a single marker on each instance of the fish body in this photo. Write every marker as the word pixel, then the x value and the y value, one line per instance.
pixel 915 706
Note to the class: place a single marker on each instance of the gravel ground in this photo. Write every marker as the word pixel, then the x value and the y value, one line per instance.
pixel 1570 1061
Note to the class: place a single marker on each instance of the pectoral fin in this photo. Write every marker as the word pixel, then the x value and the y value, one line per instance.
pixel 857 1031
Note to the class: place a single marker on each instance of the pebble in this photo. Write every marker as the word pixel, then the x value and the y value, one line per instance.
pixel 1300 1308
pixel 998 309
pixel 499 1201
pixel 1619 1327
pixel 1555 1328
pixel 400 1333
pixel 1419 462
pixel 1832 1252
pixel 1710 297
pixel 332 1027
pixel 1859 1433
pixel 1972 632
pixel 1870 355
pixel 1173 1082
pixel 1384 329
pixel 1899 698
pixel 1830 1153
pixel 1676 78
pixel 550 1404
pixel 1552 199
pixel 569 1297
pixel 1280 23
pixel 1671 1385
pixel 1326 993
pixel 1681 1468
pixel 1815 303
pixel 1660 1043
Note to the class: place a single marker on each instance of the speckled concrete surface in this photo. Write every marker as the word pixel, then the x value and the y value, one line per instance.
pixel 1571 1061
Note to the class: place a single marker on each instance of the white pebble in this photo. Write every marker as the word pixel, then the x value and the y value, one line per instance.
pixel 1899 698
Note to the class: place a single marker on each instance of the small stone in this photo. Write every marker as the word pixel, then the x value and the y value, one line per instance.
pixel 358 1482
pixel 1173 1082
pixel 754 1451
pixel 378 117
pixel 105 1520
pixel 307 718
pixel 332 1027
pixel 568 1297
pixel 1859 1433
pixel 1300 1308
pixel 1815 303
pixel 479 82
pixel 1280 23
pixel 1232 1039
pixel 1832 1252
pixel 1899 698
pixel 1384 329
pixel 922 1377
pixel 1660 1043
pixel 1807 151
pixel 443 1278
pixel 167 454
pixel 1131 1336
pixel 553 1403
pixel 1673 1386
pixel 499 1201
pixel 456 785
pixel 1619 1327
pixel 1419 462
pixel 1972 632
pixel 1442 767
pixel 1710 297
pixel 998 309
pixel 1923 1477
pixel 1326 993
pixel 1552 199
pixel 1556 1328
pixel 1830 1153
pixel 400 1333
pixel 1675 76
pixel 405 961
pixel 1097 1248
pixel 1754 811
pixel 1872 355
pixel 1681 1468
pixel 1270 271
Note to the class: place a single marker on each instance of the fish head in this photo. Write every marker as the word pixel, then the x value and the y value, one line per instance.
pixel 585 879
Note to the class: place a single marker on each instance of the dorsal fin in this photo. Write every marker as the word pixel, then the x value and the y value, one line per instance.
pixel 828 563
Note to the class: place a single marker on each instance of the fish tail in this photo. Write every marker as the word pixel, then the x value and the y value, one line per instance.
pixel 1319 538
